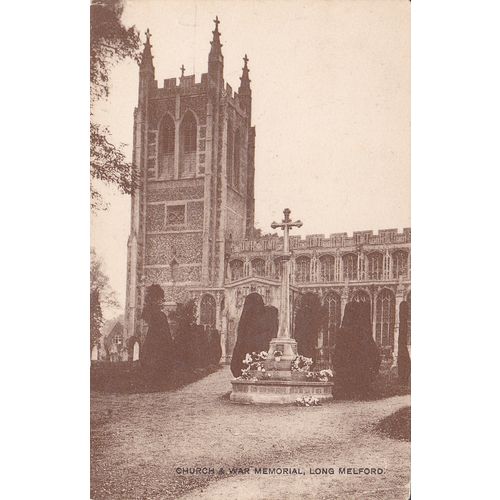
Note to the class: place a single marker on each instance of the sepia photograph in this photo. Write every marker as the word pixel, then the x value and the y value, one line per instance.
pixel 250 278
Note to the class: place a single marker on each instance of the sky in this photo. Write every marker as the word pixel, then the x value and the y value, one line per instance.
pixel 331 107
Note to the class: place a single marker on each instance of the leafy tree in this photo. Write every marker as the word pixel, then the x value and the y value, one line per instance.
pixel 110 42
pixel 100 293
pixel 96 319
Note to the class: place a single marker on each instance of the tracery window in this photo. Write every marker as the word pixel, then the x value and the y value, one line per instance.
pixel 258 267
pixel 333 310
pixel 237 146
pixel 188 136
pixel 375 266
pixel 230 153
pixel 350 266
pixel 166 148
pixel 302 269
pixel 167 135
pixel 189 133
pixel 236 267
pixel 399 264
pixel 385 318
pixel 327 268
pixel 278 268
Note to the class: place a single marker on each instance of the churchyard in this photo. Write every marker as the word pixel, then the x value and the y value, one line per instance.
pixel 140 440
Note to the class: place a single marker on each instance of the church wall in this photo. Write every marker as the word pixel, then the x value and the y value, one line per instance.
pixel 186 247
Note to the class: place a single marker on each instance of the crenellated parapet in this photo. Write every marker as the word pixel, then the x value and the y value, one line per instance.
pixel 179 86
pixel 366 239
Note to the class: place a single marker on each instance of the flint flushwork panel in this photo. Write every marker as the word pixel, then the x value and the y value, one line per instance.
pixel 161 248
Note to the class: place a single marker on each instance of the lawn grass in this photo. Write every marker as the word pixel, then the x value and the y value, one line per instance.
pixel 397 425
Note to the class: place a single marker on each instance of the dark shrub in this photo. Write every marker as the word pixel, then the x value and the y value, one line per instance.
pixel 404 365
pixel 156 355
pixel 269 327
pixel 200 347
pixel 184 318
pixel 249 338
pixel 214 347
pixel 308 321
pixel 356 358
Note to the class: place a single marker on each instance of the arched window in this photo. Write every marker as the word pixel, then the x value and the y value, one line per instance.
pixel 327 263
pixel 399 264
pixel 278 268
pixel 166 148
pixel 375 266
pixel 230 153
pixel 258 267
pixel 207 311
pixel 237 146
pixel 302 269
pixel 188 136
pixel 236 267
pixel 189 132
pixel 333 313
pixel 350 266
pixel 386 312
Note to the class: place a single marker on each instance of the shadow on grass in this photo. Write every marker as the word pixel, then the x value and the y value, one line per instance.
pixel 397 425
pixel 386 385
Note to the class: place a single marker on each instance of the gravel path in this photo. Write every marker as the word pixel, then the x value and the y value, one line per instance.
pixel 139 440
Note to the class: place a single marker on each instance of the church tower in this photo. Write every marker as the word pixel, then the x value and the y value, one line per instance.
pixel 194 151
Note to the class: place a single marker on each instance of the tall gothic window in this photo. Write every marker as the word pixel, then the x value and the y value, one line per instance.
pixel 386 312
pixel 302 269
pixel 399 264
pixel 327 263
pixel 332 306
pixel 375 266
pixel 350 265
pixel 207 311
pixel 229 153
pixel 236 267
pixel 166 148
pixel 237 146
pixel 188 136
pixel 258 267
pixel 278 268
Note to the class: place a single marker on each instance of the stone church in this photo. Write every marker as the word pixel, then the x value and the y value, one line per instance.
pixel 192 220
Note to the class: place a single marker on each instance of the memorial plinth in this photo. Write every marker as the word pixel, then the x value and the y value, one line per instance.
pixel 279 384
pixel 278 391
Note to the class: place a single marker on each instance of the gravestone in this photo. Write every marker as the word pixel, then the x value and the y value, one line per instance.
pixel 95 353
pixel 135 354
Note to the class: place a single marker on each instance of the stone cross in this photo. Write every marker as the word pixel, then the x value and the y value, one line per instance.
pixel 183 69
pixel 286 225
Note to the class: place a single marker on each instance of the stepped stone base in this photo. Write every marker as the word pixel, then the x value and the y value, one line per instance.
pixel 278 391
